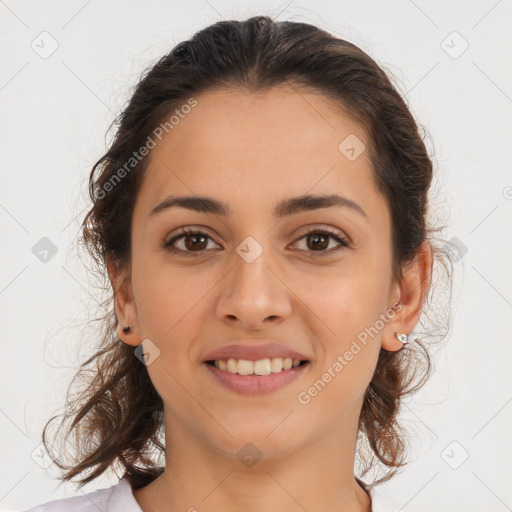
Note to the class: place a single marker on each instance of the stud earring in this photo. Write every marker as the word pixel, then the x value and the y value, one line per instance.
pixel 403 338
pixel 126 329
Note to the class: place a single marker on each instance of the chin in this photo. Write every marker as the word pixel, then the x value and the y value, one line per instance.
pixel 266 439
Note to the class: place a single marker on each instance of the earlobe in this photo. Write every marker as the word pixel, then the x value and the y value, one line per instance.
pixel 126 313
pixel 397 342
pixel 128 334
pixel 412 292
pixel 124 305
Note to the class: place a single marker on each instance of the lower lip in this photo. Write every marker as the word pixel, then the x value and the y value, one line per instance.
pixel 256 384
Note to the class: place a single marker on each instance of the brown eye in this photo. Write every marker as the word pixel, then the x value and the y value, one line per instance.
pixel 194 241
pixel 319 241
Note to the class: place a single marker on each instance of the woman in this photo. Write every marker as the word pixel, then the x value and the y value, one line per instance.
pixel 261 217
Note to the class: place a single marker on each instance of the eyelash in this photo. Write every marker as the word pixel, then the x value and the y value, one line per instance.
pixel 185 232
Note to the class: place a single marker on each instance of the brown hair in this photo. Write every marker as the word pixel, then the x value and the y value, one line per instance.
pixel 117 416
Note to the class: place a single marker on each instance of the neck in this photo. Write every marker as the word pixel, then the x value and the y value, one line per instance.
pixel 198 476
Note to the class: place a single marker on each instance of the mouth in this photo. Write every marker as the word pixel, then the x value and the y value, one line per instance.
pixel 255 377
pixel 260 367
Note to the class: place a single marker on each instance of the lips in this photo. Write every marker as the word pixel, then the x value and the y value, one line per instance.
pixel 253 352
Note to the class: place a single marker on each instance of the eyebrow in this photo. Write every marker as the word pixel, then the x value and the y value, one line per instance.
pixel 285 208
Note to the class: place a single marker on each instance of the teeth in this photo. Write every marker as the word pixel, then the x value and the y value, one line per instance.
pixel 259 367
pixel 262 367
pixel 245 367
pixel 276 365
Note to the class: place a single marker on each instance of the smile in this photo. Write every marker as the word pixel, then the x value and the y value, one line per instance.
pixel 255 377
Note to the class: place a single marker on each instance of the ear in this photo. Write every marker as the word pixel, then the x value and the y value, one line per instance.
pixel 409 294
pixel 124 304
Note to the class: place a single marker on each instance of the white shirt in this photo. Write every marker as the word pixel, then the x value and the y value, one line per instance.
pixel 119 498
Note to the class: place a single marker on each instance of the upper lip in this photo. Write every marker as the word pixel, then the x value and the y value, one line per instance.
pixel 253 352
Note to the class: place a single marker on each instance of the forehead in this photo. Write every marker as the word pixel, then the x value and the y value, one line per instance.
pixel 261 146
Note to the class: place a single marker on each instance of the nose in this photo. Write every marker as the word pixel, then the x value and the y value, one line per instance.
pixel 254 293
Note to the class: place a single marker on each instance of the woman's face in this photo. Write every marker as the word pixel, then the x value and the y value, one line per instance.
pixel 254 276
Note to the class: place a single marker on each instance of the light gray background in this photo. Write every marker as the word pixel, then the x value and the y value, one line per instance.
pixel 54 115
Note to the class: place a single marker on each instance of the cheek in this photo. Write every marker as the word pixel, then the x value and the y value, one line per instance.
pixel 169 297
pixel 171 313
pixel 347 301
pixel 350 306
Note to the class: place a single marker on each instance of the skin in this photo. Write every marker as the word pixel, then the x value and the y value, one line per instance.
pixel 251 150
